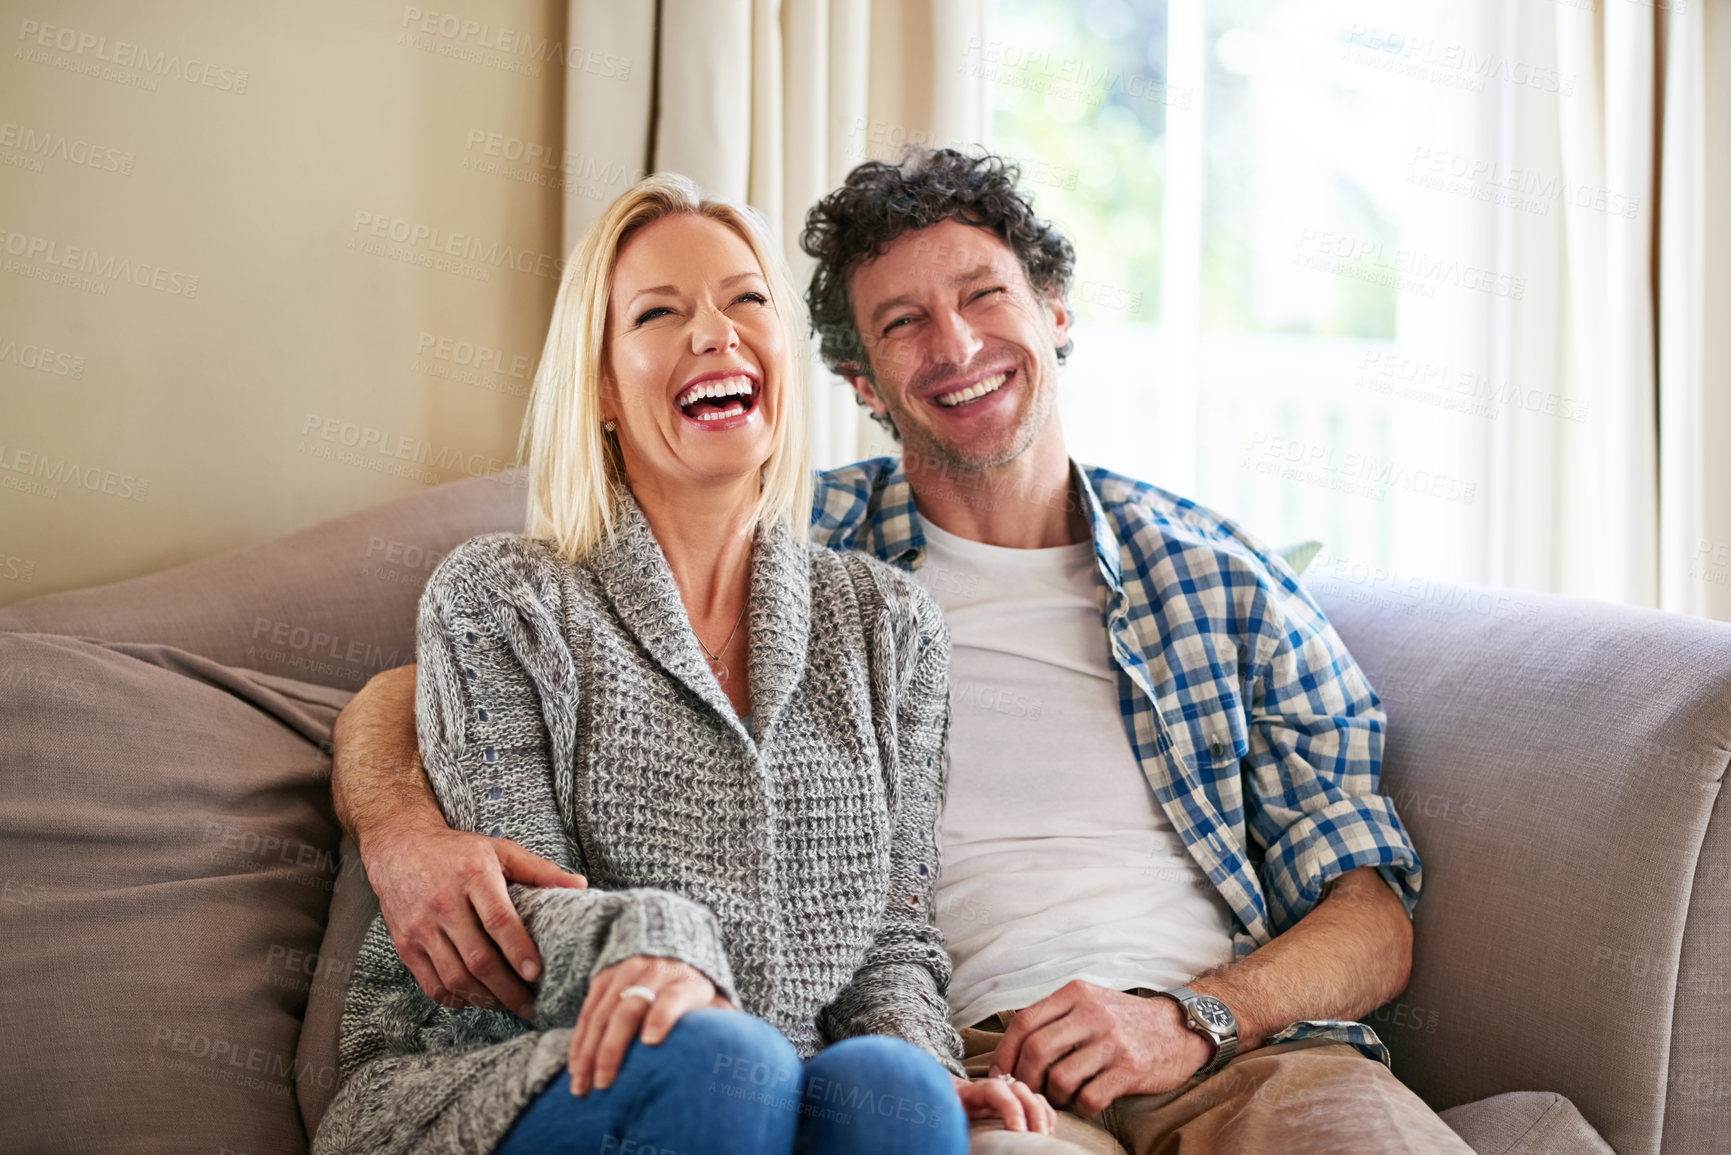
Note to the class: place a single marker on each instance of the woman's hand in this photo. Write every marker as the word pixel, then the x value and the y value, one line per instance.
pixel 1018 1106
pixel 615 1010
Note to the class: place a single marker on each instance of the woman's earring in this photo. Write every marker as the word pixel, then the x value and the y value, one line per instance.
pixel 609 426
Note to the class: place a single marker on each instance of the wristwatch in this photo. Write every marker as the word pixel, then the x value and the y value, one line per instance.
pixel 1210 1018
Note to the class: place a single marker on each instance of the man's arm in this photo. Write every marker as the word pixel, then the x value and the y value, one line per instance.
pixel 1086 1045
pixel 441 891
pixel 1348 956
pixel 1342 936
pixel 376 776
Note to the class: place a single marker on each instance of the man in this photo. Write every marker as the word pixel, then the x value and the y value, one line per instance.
pixel 1168 884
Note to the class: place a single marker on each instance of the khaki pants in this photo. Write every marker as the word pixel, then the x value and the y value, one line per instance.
pixel 1298 1098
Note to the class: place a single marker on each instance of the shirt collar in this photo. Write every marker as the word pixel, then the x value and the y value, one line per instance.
pixel 1107 552
pixel 897 535
pixel 894 532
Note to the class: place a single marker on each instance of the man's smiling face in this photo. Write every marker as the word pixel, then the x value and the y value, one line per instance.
pixel 963 349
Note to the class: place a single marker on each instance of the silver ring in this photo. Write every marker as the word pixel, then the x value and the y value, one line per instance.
pixel 637 993
pixel 1006 1077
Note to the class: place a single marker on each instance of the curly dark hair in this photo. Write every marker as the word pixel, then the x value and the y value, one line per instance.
pixel 880 202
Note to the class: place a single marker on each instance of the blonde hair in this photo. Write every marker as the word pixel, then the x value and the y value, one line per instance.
pixel 574 473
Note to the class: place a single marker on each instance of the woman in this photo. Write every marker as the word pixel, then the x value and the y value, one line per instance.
pixel 738 738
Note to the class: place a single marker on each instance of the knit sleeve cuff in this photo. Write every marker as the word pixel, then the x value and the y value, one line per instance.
pixel 661 924
pixel 899 999
pixel 583 932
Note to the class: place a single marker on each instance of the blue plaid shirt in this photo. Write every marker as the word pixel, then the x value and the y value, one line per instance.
pixel 1257 731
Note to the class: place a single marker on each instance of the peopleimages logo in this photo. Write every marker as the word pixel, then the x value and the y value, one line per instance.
pixel 1362 474
pixel 59 471
pixel 1513 186
pixel 91 262
pixel 42 144
pixel 1069 78
pixel 41 358
pixel 517 150
pixel 124 54
pixel 1401 268
pixel 1455 65
pixel 461 33
pixel 233 1060
pixel 435 241
pixel 1460 391
pixel 404 447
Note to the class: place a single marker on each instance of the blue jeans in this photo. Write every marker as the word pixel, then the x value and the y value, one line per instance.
pixel 726 1083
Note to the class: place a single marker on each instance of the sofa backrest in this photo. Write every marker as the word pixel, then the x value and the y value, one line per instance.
pixel 1559 764
pixel 333 604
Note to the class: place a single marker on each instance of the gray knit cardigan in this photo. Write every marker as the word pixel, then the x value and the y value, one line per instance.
pixel 568 708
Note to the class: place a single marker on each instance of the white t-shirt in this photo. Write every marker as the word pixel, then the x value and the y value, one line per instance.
pixel 1058 861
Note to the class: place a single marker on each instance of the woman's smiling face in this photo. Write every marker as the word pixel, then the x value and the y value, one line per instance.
pixel 696 354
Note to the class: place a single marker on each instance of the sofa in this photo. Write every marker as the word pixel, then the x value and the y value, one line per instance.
pixel 178 906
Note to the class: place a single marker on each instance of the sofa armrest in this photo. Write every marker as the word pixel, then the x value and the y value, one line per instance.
pixel 1559 764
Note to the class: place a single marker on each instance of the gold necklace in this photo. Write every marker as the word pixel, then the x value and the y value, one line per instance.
pixel 716 666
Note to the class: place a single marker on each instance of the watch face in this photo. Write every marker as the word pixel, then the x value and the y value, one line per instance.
pixel 1213 1012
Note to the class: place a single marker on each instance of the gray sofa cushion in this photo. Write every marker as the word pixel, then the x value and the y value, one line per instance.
pixel 1525 1123
pixel 1559 764
pixel 167 850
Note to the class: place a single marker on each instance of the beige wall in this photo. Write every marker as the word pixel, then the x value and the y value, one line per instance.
pixel 203 180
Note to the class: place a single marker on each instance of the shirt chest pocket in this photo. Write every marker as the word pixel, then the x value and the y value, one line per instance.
pixel 1211 735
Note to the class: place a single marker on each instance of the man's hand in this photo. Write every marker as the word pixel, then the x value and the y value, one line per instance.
pixel 1085 1045
pixel 443 896
pixel 442 893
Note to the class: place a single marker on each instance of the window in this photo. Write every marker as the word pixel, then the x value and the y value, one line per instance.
pixel 1275 311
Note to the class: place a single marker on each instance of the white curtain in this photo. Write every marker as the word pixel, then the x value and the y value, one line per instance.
pixel 1695 315
pixel 769 102
pixel 1627 310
